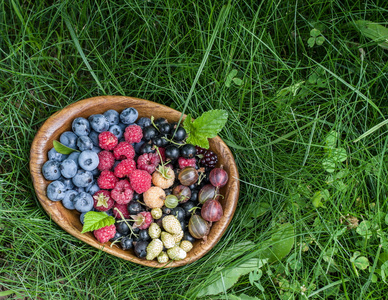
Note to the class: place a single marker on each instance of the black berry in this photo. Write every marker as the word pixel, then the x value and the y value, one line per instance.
pixel 188 151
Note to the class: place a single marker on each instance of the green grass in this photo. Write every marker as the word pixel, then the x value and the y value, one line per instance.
pixel 179 53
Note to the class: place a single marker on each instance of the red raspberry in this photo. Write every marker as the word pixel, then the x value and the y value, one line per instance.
pixel 133 134
pixel 122 192
pixel 107 140
pixel 162 152
pixel 104 234
pixel 124 150
pixel 140 181
pixel 125 168
pixel 143 220
pixel 102 200
pixel 148 162
pixel 123 208
pixel 186 162
pixel 107 160
pixel 107 180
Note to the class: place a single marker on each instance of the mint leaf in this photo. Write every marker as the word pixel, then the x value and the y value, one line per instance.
pixel 208 125
pixel 61 148
pixel 96 220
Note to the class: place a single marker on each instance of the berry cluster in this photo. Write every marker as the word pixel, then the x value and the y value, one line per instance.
pixel 162 191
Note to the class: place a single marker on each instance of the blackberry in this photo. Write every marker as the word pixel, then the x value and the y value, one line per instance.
pixel 200 150
pixel 188 151
pixel 209 159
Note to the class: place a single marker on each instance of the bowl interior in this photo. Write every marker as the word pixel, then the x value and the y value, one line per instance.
pixel 69 219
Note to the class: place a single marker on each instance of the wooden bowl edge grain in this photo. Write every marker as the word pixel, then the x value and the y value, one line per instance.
pixel 67 220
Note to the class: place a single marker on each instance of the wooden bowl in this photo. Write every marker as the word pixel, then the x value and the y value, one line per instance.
pixel 69 219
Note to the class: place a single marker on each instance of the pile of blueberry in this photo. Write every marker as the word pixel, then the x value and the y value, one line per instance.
pixel 138 170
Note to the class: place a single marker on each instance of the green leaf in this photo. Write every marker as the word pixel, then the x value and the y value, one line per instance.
pixel 374 31
pixel 241 297
pixel 319 40
pixel 279 245
pixel 228 277
pixel 315 32
pixel 319 196
pixel 361 263
pixel 208 125
pixel 96 220
pixel 61 148
pixel 328 164
pixel 238 81
pixel 331 140
pixel 290 89
pixel 230 77
pixel 364 229
pixel 311 42
pixel 339 155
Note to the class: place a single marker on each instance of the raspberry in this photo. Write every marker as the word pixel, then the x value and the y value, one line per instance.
pixel 148 162
pixel 209 159
pixel 122 192
pixel 133 134
pixel 154 197
pixel 103 200
pixel 107 180
pixel 143 220
pixel 164 177
pixel 124 150
pixel 107 160
pixel 124 168
pixel 140 181
pixel 104 234
pixel 120 208
pixel 186 162
pixel 107 140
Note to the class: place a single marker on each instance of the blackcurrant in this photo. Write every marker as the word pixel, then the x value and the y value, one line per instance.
pixel 134 208
pixel 188 151
pixel 149 133
pixel 140 249
pixel 158 141
pixel 180 134
pixel 143 235
pixel 147 148
pixel 122 228
pixel 172 152
pixel 179 213
pixel 126 243
pixel 160 121
pixel 164 128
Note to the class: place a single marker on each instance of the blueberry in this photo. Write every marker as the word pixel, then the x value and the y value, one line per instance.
pixel 51 170
pixel 56 191
pixel 88 160
pixel 96 149
pixel 83 202
pixel 188 151
pixel 92 189
pixel 54 155
pixel 68 168
pixel 69 185
pixel 82 217
pixel 110 212
pixel 82 178
pixel 74 156
pixel 143 235
pixel 137 146
pixel 144 122
pixel 123 228
pixel 99 123
pixel 149 133
pixel 68 201
pixel 117 131
pixel 95 172
pixel 79 189
pixel 93 135
pixel 80 126
pixel 68 139
pixel 126 243
pixel 112 116
pixel 84 143
pixel 140 249
pixel 129 115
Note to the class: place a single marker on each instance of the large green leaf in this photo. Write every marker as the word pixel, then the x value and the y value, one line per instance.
pixel 228 277
pixel 280 244
pixel 374 31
